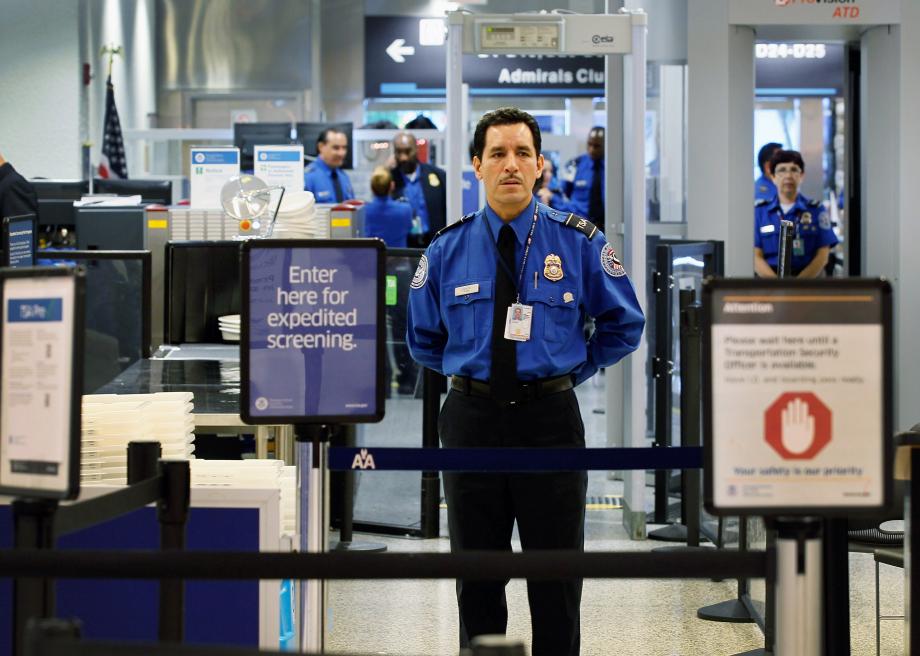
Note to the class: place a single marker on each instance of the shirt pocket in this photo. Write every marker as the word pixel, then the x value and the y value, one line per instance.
pixel 769 243
pixel 560 311
pixel 469 312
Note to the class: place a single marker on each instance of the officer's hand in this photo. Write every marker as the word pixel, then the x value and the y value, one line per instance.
pixel 545 195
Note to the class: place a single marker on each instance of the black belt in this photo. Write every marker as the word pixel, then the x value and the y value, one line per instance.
pixel 529 390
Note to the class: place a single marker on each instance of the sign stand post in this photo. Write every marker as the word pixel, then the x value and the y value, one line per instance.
pixel 312 355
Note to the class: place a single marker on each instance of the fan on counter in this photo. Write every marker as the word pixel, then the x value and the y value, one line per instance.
pixel 249 200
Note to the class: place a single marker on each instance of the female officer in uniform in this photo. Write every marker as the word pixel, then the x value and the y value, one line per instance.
pixel 498 303
pixel 814 236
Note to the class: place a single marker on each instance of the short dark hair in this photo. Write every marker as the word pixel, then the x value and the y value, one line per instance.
pixel 766 154
pixel 504 116
pixel 324 135
pixel 597 129
pixel 787 157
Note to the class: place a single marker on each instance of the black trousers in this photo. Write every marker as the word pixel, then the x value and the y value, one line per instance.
pixel 549 509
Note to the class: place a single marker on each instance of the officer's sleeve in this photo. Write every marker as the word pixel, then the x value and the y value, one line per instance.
pixel 757 242
pixel 609 297
pixel 426 334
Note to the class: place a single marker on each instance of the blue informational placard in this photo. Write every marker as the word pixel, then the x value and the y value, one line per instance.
pixel 312 331
pixel 18 240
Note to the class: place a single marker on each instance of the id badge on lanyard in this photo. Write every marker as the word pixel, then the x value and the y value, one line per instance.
pixel 520 315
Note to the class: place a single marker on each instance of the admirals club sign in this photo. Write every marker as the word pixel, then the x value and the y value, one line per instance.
pixel 405 56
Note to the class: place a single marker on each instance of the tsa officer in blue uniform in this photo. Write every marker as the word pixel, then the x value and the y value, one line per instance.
pixel 764 189
pixel 814 235
pixel 582 183
pixel 325 177
pixel 499 303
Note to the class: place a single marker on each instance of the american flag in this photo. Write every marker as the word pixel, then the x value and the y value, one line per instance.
pixel 113 164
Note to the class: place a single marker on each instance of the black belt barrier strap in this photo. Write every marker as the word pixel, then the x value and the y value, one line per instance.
pixel 481 565
pixel 513 460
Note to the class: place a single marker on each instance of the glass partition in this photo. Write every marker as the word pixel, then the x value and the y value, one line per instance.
pixel 118 287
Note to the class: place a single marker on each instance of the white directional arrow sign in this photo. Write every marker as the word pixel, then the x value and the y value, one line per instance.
pixel 398 48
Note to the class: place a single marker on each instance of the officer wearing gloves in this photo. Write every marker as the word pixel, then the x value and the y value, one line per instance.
pixel 498 303
pixel 582 183
pixel 814 235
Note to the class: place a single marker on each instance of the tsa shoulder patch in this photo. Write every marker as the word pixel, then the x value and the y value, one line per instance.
pixel 421 274
pixel 611 262
pixel 824 221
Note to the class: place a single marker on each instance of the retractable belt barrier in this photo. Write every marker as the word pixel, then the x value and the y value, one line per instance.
pixel 512 460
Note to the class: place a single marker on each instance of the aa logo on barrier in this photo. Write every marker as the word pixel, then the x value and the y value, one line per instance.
pixel 797 425
pixel 363 460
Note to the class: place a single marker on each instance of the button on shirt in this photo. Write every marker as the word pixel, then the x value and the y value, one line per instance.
pixel 764 189
pixel 451 306
pixel 812 226
pixel 388 219
pixel 317 178
pixel 576 178
pixel 415 194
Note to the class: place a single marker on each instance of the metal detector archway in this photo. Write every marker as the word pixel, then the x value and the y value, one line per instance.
pixel 611 35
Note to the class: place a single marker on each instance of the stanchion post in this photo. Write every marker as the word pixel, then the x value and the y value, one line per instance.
pixel 172 513
pixel 313 520
pixel 346 530
pixel 784 262
pixel 690 405
pixel 33 598
pixel 799 617
pixel 143 460
pixel 431 481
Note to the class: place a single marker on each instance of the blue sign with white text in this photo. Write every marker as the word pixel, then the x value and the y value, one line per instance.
pixel 215 156
pixel 34 309
pixel 313 331
pixel 279 156
pixel 20 243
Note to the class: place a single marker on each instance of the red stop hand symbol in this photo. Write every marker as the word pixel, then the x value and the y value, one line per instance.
pixel 797 425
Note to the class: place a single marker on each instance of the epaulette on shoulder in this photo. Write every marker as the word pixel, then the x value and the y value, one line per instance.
pixel 451 226
pixel 760 201
pixel 581 224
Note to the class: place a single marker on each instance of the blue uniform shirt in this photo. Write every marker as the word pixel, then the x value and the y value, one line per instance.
pixel 764 189
pixel 317 178
pixel 576 179
pixel 451 300
pixel 812 227
pixel 416 197
pixel 388 219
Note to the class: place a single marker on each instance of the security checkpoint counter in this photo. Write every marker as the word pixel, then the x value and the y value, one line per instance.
pixel 212 373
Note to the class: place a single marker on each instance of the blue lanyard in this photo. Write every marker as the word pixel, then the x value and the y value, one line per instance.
pixel 501 260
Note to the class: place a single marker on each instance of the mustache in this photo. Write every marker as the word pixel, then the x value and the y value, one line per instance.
pixel 511 177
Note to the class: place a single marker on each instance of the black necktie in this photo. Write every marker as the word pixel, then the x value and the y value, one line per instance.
pixel 596 199
pixel 503 375
pixel 337 185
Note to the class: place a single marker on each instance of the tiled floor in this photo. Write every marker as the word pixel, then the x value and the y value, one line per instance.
pixel 619 617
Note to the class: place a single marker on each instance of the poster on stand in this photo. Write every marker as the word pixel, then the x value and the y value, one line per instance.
pixel 210 169
pixel 41 319
pixel 313 326
pixel 18 240
pixel 280 166
pixel 797 396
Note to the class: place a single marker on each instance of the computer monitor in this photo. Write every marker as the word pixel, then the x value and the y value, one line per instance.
pixel 150 191
pixel 308 133
pixel 71 190
pixel 246 136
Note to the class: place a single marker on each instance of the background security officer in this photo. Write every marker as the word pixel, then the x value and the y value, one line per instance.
pixel 814 235
pixel 17 196
pixel 325 177
pixel 499 303
pixel 764 189
pixel 582 183
pixel 422 185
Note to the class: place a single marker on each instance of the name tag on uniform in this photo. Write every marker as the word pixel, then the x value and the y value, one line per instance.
pixel 581 183
pixel 466 289
pixel 767 229
pixel 517 324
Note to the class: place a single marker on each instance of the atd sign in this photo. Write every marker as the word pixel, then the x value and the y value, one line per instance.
pixel 797 425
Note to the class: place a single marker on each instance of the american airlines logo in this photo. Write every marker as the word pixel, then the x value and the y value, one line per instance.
pixel 363 460
pixel 748 308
